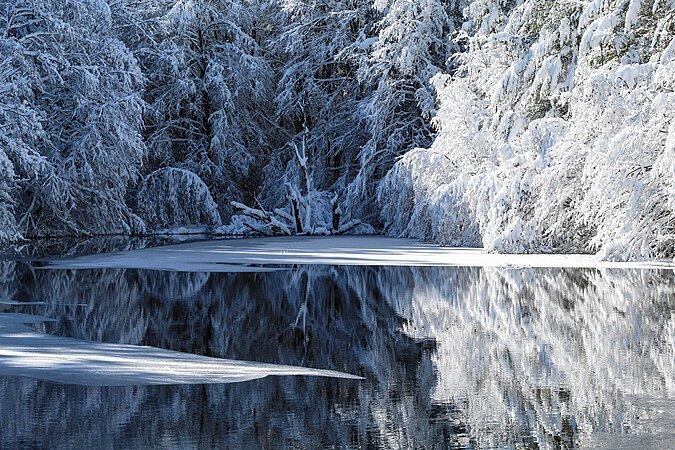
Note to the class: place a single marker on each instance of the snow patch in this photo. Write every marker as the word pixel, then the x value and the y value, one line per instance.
pixel 27 353
pixel 632 14
pixel 257 254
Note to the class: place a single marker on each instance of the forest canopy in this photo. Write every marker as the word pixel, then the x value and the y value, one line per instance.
pixel 522 126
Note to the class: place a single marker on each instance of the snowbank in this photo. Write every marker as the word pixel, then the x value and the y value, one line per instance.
pixel 244 255
pixel 27 353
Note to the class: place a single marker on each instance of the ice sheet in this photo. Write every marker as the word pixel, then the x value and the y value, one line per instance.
pixel 256 254
pixel 27 353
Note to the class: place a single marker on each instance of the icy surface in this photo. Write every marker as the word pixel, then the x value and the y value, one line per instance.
pixel 242 255
pixel 27 353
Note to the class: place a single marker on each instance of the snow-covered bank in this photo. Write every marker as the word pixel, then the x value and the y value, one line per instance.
pixel 240 255
pixel 27 353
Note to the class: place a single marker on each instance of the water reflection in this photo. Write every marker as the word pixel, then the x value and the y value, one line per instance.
pixel 453 357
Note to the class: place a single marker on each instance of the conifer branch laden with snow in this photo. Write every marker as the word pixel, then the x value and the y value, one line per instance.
pixel 547 133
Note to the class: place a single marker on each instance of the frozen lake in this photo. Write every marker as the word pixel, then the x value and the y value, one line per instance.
pixel 495 353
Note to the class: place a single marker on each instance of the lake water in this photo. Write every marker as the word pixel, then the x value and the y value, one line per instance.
pixel 452 358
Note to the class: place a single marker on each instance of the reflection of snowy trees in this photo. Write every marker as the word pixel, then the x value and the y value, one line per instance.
pixel 463 356
pixel 547 354
pixel 312 316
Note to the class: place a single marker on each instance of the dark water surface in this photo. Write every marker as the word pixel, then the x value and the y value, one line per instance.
pixel 452 358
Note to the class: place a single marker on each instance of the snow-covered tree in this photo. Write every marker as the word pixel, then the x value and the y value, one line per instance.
pixel 318 93
pixel 209 93
pixel 525 126
pixel 21 132
pixel 80 139
pixel 412 45
pixel 171 196
pixel 555 134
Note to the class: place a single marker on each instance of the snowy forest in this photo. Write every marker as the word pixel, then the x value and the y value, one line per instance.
pixel 520 126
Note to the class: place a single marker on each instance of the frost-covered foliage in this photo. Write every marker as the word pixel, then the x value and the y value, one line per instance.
pixel 317 97
pixel 88 86
pixel 555 134
pixel 20 123
pixel 71 115
pixel 355 88
pixel 411 46
pixel 170 196
pixel 209 93
pixel 526 125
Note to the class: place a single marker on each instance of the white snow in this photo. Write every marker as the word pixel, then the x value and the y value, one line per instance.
pixel 25 352
pixel 242 255
pixel 632 14
pixel 595 101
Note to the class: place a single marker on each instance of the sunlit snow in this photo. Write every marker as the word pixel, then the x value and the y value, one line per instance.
pixel 27 353
pixel 241 255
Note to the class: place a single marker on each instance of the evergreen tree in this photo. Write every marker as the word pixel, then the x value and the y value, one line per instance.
pixel 80 141
pixel 555 134
pixel 412 45
pixel 209 93
pixel 318 93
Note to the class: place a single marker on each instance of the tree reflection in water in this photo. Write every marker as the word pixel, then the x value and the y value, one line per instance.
pixel 453 357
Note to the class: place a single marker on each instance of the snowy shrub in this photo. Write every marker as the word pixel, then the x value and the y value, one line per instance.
pixel 170 197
